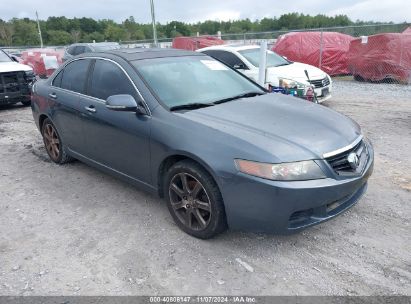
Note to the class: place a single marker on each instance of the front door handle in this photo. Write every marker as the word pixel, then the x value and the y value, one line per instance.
pixel 53 95
pixel 91 109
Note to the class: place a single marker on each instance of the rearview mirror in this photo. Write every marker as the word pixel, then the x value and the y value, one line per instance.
pixel 124 102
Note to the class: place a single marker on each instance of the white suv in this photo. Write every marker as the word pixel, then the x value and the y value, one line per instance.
pixel 280 71
pixel 15 81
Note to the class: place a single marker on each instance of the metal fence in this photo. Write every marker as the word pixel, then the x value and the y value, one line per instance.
pixel 374 53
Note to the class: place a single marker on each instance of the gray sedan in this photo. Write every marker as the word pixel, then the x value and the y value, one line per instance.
pixel 221 150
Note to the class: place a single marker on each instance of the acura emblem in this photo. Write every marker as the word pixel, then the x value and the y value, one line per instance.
pixel 353 160
pixel 323 82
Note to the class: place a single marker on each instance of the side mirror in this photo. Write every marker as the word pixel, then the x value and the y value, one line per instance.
pixel 125 103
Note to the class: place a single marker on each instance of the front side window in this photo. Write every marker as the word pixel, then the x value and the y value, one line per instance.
pixel 108 79
pixel 273 59
pixel 57 79
pixel 4 57
pixel 192 79
pixel 75 75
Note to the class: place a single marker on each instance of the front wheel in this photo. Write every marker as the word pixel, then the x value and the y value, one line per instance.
pixel 194 200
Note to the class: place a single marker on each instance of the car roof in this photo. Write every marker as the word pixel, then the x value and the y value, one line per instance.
pixel 94 43
pixel 231 47
pixel 132 54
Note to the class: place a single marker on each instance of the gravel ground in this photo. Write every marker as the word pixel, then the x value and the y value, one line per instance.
pixel 71 230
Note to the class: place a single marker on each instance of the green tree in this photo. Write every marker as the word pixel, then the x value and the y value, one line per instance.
pixel 58 37
pixel 6 33
pixel 114 32
pixel 94 36
pixel 25 32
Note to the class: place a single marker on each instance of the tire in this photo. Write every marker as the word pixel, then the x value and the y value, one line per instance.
pixel 198 207
pixel 359 78
pixel 26 103
pixel 55 147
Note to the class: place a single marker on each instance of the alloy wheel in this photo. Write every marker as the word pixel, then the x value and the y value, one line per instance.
pixel 190 201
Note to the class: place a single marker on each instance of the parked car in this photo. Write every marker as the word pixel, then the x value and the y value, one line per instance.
pixel 215 145
pixel 81 48
pixel 281 72
pixel 326 50
pixel 15 80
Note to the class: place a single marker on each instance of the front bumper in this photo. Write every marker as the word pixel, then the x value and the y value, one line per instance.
pixel 323 93
pixel 259 205
pixel 13 97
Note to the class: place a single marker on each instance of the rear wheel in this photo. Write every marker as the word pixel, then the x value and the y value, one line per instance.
pixel 52 141
pixel 194 200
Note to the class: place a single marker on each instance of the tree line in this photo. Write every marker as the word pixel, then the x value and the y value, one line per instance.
pixel 63 31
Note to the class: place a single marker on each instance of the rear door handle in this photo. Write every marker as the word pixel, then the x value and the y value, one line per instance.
pixel 91 109
pixel 53 95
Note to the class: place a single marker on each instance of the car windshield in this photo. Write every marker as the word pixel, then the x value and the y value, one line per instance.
pixel 4 57
pixel 200 80
pixel 106 47
pixel 273 59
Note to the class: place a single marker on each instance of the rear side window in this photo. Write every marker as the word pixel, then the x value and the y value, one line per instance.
pixel 70 50
pixel 75 75
pixel 108 79
pixel 228 58
pixel 80 49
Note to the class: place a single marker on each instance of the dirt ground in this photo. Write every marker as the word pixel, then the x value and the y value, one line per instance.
pixel 71 230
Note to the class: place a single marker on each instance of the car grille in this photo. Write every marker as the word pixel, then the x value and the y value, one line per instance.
pixel 11 82
pixel 341 164
pixel 320 83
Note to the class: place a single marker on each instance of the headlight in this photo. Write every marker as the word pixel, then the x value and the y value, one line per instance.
pixel 297 171
pixel 29 75
pixel 289 83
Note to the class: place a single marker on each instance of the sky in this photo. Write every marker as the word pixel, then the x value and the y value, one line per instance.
pixel 193 10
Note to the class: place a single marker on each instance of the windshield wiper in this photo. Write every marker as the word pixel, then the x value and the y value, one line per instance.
pixel 245 95
pixel 282 64
pixel 191 106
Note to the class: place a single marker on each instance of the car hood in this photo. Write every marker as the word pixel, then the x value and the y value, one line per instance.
pixel 285 127
pixel 13 67
pixel 295 71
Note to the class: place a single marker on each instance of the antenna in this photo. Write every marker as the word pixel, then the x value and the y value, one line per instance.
pixel 38 26
pixel 153 20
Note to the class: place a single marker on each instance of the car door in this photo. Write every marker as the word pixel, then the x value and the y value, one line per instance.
pixel 64 94
pixel 118 140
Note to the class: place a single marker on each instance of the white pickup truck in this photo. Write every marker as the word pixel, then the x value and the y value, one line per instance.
pixel 15 81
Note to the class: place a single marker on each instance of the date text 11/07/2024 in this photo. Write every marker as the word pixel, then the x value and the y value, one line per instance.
pixel 203 299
